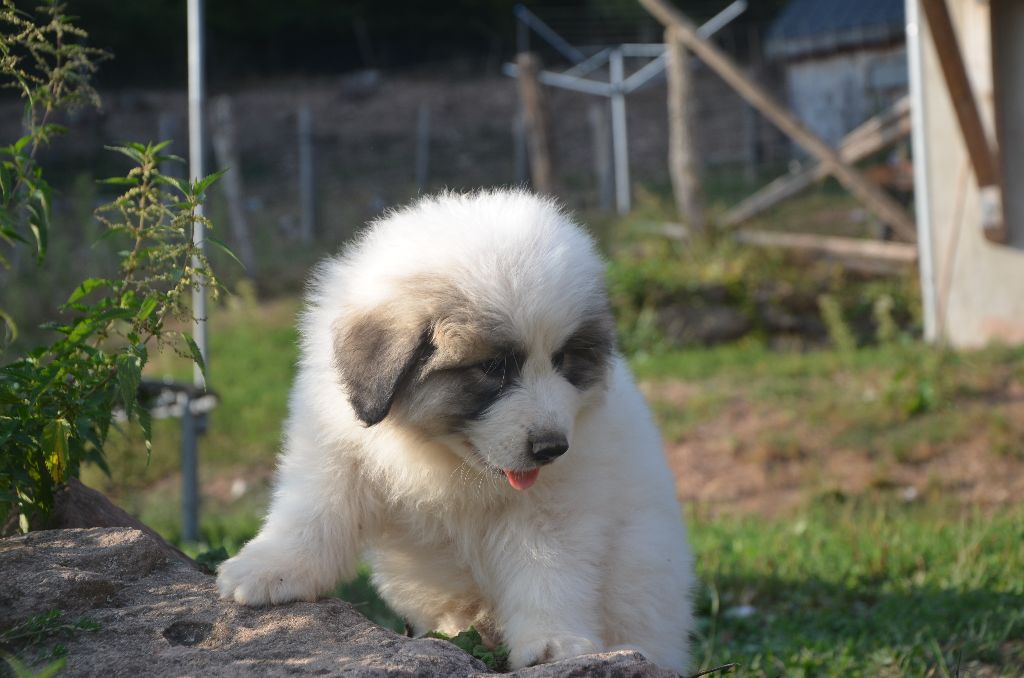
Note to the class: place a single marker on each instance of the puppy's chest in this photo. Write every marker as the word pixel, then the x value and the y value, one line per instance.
pixel 462 534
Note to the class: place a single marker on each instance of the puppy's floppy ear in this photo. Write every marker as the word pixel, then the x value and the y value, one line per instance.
pixel 375 354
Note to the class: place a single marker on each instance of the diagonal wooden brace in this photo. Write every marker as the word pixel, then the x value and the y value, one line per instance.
pixel 874 198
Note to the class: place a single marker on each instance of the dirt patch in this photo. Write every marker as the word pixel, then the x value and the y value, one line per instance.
pixel 756 458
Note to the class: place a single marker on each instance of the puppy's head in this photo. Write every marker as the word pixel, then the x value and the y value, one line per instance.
pixel 492 346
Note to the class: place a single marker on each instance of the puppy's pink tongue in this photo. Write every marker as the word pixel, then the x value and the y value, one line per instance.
pixel 522 480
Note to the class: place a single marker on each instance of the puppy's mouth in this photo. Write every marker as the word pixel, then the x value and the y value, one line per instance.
pixel 518 479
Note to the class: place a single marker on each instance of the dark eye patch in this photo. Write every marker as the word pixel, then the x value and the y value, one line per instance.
pixel 584 357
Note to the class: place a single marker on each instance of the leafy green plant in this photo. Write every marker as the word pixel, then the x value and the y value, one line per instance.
pixel 470 642
pixel 43 58
pixel 58 401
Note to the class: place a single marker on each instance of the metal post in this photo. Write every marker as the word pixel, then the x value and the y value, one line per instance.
pixel 619 140
pixel 922 186
pixel 196 144
pixel 189 477
pixel 422 147
pixel 307 196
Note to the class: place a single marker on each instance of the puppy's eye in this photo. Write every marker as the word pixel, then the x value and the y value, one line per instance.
pixel 558 359
pixel 491 366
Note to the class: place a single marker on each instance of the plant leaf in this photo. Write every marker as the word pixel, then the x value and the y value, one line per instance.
pixel 197 355
pixel 200 186
pixel 223 247
pixel 88 285
pixel 55 446
pixel 129 376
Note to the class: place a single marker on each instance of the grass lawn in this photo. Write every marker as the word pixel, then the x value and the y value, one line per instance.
pixel 844 581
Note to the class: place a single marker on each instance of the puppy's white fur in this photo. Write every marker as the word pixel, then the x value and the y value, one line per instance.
pixel 593 556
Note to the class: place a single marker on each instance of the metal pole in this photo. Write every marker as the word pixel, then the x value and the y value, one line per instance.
pixel 922 185
pixel 196 144
pixel 619 140
pixel 307 196
pixel 549 35
pixel 189 475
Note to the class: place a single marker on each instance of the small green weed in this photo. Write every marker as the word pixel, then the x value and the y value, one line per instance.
pixel 36 631
pixel 470 642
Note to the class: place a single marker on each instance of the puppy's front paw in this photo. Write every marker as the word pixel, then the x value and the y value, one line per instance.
pixel 552 648
pixel 258 577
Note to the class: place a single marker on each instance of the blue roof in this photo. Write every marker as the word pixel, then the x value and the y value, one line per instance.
pixel 807 27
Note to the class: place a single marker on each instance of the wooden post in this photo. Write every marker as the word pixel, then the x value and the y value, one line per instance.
pixel 307 193
pixel 222 124
pixel 876 200
pixel 875 134
pixel 983 157
pixel 601 135
pixel 538 139
pixel 519 152
pixel 683 164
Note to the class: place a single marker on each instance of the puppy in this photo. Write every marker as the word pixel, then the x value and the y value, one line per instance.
pixel 462 420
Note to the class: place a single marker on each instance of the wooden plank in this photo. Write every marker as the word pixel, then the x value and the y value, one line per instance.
pixel 879 255
pixel 875 134
pixel 682 153
pixel 961 93
pixel 874 198
pixel 538 139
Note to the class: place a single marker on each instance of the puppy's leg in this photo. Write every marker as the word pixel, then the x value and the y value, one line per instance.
pixel 547 594
pixel 312 537
pixel 648 605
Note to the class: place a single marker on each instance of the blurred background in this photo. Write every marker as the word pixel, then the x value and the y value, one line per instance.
pixel 814 259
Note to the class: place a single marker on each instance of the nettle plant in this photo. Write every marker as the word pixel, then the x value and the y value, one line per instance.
pixel 58 401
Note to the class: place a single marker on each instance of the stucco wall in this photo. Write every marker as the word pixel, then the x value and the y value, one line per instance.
pixel 979 286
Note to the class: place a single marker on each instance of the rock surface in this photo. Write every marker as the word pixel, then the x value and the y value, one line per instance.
pixel 159 617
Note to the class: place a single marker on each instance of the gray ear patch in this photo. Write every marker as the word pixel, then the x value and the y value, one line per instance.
pixel 375 355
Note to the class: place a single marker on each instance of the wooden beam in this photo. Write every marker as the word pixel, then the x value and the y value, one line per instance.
pixel 876 255
pixel 682 152
pixel 875 134
pixel 983 157
pixel 538 138
pixel 960 91
pixel 876 200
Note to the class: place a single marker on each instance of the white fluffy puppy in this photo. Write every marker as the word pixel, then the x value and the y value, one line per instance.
pixel 462 420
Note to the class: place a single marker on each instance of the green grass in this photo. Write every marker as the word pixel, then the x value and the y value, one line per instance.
pixel 863 589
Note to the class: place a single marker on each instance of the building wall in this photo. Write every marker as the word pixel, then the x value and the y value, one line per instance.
pixel 834 93
pixel 979 286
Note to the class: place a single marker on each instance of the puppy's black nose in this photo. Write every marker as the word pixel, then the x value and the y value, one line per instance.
pixel 546 447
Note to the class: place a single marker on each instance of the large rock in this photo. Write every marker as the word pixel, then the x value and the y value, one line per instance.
pixel 158 616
